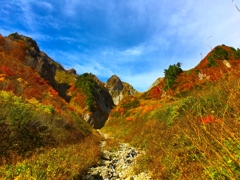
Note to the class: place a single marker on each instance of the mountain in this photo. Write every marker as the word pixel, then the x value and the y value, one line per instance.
pixel 156 83
pixel 37 117
pixel 61 80
pixel 217 64
pixel 119 89
pixel 188 121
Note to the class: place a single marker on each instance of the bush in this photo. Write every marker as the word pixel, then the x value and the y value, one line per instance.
pixel 237 54
pixel 211 62
pixel 133 103
pixel 221 53
pixel 23 129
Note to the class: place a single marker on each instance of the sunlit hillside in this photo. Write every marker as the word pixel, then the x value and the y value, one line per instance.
pixel 187 123
pixel 41 134
pixel 190 130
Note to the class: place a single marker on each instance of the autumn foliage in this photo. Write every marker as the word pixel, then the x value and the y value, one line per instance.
pixel 191 130
pixel 40 130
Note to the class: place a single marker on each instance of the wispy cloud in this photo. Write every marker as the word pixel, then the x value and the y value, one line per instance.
pixel 136 40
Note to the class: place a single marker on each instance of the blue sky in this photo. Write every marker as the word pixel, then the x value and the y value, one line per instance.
pixel 134 39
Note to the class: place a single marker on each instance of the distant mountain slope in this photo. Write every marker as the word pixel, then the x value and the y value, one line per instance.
pixel 221 61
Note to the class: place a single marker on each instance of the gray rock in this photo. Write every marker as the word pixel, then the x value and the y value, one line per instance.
pixel 118 164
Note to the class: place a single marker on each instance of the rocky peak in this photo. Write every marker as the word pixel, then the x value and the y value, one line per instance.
pixel 32 46
pixel 114 83
pixel 45 66
pixel 72 71
pixel 98 100
pixel 119 89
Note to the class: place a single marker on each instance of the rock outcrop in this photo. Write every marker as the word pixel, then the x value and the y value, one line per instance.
pixel 47 69
pixel 45 66
pixel 119 89
pixel 99 101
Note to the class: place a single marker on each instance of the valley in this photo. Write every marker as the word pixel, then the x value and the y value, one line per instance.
pixel 56 124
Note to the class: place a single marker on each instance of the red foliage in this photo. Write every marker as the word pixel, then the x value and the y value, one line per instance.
pixel 70 108
pixel 130 119
pixel 122 111
pixel 7 71
pixel 208 119
pixel 53 92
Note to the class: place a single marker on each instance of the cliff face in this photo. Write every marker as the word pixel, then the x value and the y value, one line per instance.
pixel 62 80
pixel 119 89
pixel 45 66
pixel 98 100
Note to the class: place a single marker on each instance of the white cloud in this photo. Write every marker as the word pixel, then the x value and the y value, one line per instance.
pixel 135 51
pixel 47 6
pixel 168 33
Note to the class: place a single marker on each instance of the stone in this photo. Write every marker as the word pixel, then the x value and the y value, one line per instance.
pixel 105 175
pixel 105 155
pixel 105 162
pixel 226 63
pixel 118 164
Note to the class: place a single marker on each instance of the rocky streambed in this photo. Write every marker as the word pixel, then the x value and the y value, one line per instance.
pixel 117 165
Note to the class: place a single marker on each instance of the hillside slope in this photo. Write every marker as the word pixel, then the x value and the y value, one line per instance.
pixel 192 130
pixel 63 81
pixel 188 122
pixel 41 135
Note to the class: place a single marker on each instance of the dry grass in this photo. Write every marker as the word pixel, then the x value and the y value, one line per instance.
pixel 67 162
pixel 191 137
pixel 37 143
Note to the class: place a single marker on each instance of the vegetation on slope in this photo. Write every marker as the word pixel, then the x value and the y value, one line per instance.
pixel 190 133
pixel 191 137
pixel 189 126
pixel 38 143
pixel 171 75
pixel 42 137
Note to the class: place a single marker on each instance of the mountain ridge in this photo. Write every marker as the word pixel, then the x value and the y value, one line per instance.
pixel 187 122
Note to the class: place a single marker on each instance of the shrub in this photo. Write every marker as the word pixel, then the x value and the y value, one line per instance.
pixel 133 103
pixel 211 62
pixel 221 53
pixel 237 54
pixel 23 128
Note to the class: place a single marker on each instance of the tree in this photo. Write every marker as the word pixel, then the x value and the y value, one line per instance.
pixel 171 75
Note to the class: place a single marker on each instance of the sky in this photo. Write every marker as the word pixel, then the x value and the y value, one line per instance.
pixel 136 40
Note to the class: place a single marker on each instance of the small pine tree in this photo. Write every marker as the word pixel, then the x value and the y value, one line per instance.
pixel 171 75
